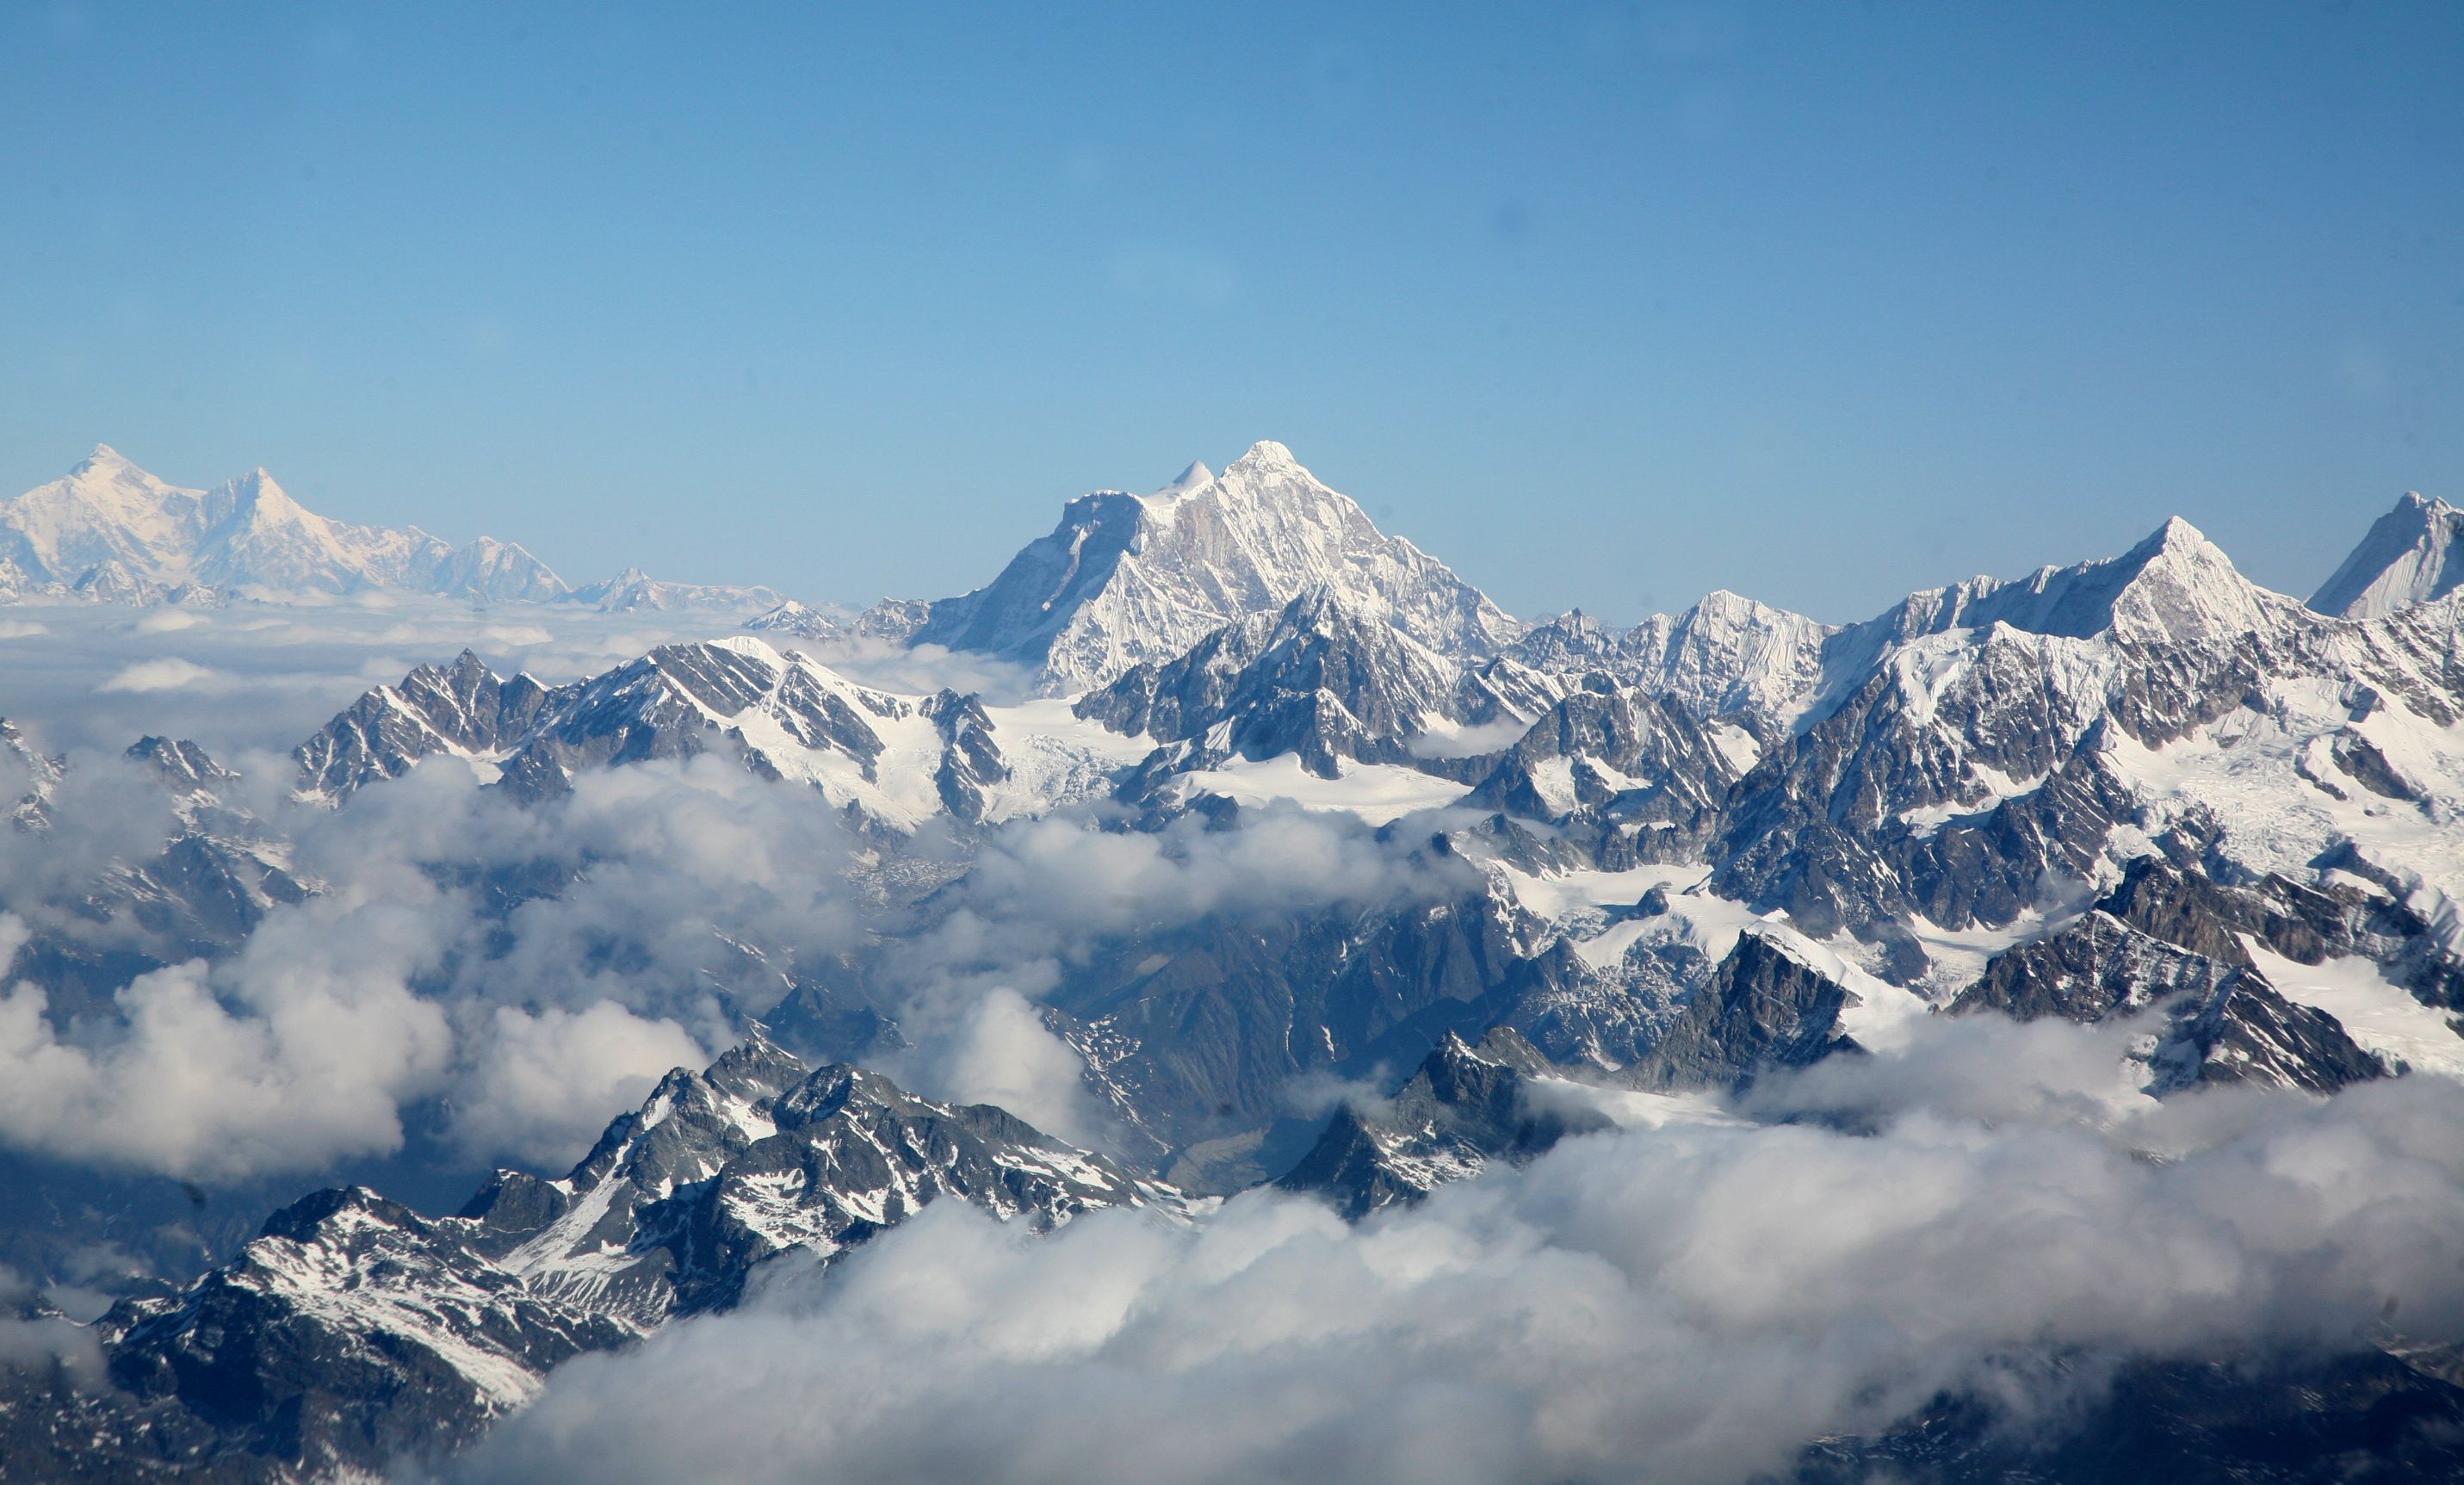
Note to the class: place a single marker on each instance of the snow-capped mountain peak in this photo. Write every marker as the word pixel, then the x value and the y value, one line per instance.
pixel 2174 587
pixel 2402 560
pixel 109 530
pixel 105 509
pixel 1265 456
pixel 1125 580
pixel 1198 476
pixel 103 456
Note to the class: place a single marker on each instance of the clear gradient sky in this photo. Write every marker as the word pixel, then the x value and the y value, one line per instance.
pixel 1604 305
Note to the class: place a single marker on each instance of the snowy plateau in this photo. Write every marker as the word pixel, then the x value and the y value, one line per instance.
pixel 1222 1000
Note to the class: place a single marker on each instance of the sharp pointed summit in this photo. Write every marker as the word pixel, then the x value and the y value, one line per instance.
pixel 1125 580
pixel 1196 476
pixel 2404 560
pixel 2175 587
pixel 1266 454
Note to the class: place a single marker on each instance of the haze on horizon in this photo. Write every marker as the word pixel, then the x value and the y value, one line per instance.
pixel 1604 309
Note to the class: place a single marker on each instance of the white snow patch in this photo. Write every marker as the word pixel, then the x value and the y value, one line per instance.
pixel 1375 792
pixel 2381 1017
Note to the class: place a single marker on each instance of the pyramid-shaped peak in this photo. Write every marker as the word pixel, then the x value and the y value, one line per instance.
pixel 107 465
pixel 257 484
pixel 1195 477
pixel 2175 544
pixel 2176 585
pixel 2406 557
pixel 257 494
pixel 2178 535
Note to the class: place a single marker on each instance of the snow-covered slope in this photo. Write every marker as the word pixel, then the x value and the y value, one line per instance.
pixel 635 591
pixel 2403 560
pixel 1325 678
pixel 110 530
pixel 1129 578
pixel 897 759
pixel 2174 588
pixel 1728 656
pixel 412 1333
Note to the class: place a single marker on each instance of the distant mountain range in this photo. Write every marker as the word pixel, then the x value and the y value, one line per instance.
pixel 111 532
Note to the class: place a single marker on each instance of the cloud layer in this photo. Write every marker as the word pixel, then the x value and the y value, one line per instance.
pixel 1690 1302
pixel 425 972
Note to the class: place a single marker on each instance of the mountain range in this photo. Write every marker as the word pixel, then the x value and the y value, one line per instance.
pixel 109 531
pixel 1596 878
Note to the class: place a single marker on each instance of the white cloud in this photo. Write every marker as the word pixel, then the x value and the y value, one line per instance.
pixel 544 1084
pixel 409 983
pixel 1003 1054
pixel 157 675
pixel 1686 1303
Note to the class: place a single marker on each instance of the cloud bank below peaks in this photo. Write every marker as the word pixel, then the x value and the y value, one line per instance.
pixel 1689 1303
pixel 515 975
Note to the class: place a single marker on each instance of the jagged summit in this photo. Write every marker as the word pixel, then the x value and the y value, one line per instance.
pixel 2174 587
pixel 1727 656
pixel 1263 455
pixel 895 759
pixel 394 1327
pixel 2404 560
pixel 1125 579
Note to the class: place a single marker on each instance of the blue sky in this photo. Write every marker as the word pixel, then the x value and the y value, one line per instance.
pixel 1606 306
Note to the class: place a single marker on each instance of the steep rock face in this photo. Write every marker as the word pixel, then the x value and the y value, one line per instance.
pixel 462 709
pixel 2406 558
pixel 93 928
pixel 110 530
pixel 1127 578
pixel 36 773
pixel 188 768
pixel 1322 678
pixel 2173 588
pixel 1463 1109
pixel 2163 945
pixel 1764 1008
pixel 1576 643
pixel 1961 769
pixel 1618 760
pixel 898 759
pixel 353 1331
pixel 1196 1033
pixel 1728 656
pixel 1987 750
pixel 2384 1416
